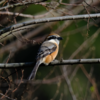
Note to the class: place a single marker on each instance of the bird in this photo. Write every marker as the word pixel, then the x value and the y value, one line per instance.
pixel 47 52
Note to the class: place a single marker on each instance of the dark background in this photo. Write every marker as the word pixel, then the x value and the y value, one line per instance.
pixel 50 83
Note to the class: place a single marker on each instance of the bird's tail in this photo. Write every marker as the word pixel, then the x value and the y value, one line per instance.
pixel 34 71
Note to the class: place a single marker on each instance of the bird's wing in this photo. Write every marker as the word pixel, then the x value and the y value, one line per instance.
pixel 46 49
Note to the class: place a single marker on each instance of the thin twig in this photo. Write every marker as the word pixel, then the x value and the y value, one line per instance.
pixel 68 83
pixel 91 80
pixel 84 44
pixel 21 4
pixel 22 15
pixel 66 4
pixel 20 81
pixel 7 96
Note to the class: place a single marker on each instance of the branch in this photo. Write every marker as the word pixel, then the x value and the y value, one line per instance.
pixel 16 14
pixel 22 15
pixel 2 2
pixel 69 83
pixel 52 19
pixel 21 4
pixel 7 96
pixel 55 62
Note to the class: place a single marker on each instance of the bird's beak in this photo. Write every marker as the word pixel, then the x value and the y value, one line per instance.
pixel 60 38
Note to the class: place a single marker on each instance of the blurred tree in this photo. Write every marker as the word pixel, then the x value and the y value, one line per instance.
pixel 20 41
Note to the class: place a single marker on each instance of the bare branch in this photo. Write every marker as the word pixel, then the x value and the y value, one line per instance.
pixel 55 62
pixel 68 83
pixel 91 80
pixel 21 14
pixel 66 4
pixel 21 4
pixel 7 96
pixel 16 14
pixel 52 19
pixel 2 1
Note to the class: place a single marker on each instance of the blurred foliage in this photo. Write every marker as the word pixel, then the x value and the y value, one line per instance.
pixel 82 87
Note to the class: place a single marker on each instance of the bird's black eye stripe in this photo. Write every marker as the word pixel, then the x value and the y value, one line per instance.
pixel 52 37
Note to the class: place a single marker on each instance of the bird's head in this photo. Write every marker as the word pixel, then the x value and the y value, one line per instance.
pixel 54 37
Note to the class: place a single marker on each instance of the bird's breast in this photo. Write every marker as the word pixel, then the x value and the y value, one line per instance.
pixel 51 57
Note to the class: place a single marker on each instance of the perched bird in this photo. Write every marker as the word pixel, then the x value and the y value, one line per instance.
pixel 47 52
